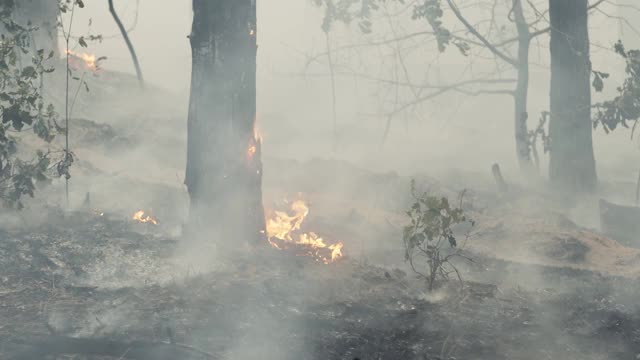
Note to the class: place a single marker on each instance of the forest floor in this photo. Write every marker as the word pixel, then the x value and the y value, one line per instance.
pixel 93 284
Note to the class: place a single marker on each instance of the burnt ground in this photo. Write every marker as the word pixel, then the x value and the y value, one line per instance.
pixel 102 284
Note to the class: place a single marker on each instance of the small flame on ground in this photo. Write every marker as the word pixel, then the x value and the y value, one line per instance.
pixel 281 231
pixel 139 216
pixel 90 60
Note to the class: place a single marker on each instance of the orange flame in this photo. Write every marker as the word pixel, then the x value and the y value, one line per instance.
pixel 281 231
pixel 254 142
pixel 251 151
pixel 140 217
pixel 90 60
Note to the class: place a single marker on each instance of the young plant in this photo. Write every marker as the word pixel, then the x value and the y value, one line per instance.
pixel 429 240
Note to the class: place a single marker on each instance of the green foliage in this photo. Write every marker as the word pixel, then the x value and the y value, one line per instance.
pixel 431 11
pixel 430 233
pixel 346 11
pixel 625 107
pixel 21 106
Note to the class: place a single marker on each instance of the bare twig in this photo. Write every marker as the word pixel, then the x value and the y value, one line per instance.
pixel 333 93
pixel 479 36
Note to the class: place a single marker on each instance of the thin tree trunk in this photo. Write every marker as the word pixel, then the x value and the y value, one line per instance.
pixel 125 35
pixel 521 115
pixel 224 169
pixel 572 162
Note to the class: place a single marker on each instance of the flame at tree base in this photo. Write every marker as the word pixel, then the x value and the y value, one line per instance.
pixel 282 232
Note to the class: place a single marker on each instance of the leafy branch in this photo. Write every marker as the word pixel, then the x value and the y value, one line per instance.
pixel 624 108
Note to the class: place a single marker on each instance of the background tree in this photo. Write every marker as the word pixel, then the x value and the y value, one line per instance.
pixel 43 16
pixel 22 107
pixel 519 23
pixel 224 170
pixel 571 159
pixel 476 34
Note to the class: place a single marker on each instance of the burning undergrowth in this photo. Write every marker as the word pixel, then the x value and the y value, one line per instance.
pixel 284 231
pixel 142 217
pixel 84 61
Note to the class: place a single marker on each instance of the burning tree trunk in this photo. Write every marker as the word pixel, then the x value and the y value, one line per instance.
pixel 572 162
pixel 224 170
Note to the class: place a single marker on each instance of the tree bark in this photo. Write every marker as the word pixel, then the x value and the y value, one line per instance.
pixel 224 169
pixel 44 15
pixel 521 93
pixel 572 162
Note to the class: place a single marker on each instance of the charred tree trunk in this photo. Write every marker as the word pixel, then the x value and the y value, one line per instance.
pixel 224 169
pixel 42 14
pixel 572 162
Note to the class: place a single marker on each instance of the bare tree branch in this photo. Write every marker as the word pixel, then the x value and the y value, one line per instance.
pixel 482 39
pixel 454 87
